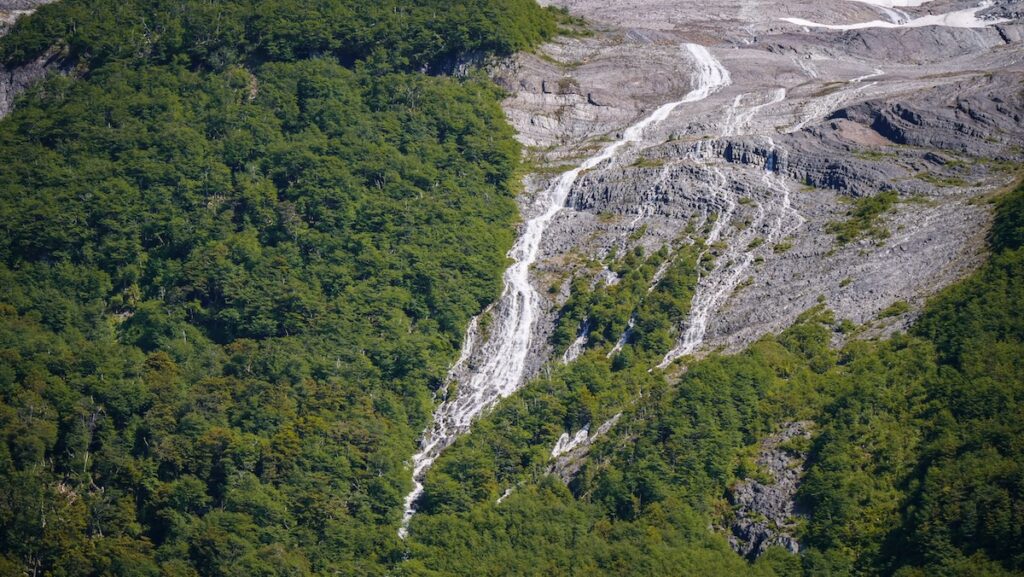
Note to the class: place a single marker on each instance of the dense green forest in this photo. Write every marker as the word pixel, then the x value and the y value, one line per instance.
pixel 239 245
pixel 240 242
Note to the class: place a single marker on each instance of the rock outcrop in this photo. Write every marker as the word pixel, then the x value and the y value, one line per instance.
pixel 14 80
pixel 570 453
pixel 765 513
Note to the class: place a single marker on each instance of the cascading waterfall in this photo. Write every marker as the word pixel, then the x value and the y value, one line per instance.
pixel 505 353
pixel 579 345
pixel 566 443
pixel 714 288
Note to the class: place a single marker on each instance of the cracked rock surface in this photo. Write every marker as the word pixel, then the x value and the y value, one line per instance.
pixel 14 80
pixel 811 120
pixel 765 513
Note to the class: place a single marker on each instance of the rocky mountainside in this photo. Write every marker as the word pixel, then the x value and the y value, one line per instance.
pixel 812 119
pixel 242 240
pixel 809 153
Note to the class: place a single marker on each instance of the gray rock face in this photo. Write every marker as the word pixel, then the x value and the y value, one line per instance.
pixel 11 10
pixel 566 464
pixel 25 5
pixel 812 118
pixel 586 87
pixel 765 514
pixel 14 81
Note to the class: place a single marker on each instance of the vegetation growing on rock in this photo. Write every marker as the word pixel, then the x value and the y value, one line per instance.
pixel 915 467
pixel 239 247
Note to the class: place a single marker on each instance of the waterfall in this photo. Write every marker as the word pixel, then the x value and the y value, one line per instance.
pixel 505 353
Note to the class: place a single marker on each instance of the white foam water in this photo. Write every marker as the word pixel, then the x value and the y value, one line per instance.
pixel 566 443
pixel 966 18
pixel 714 288
pixel 894 3
pixel 504 355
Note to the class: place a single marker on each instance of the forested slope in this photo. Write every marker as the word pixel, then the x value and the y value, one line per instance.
pixel 915 467
pixel 239 245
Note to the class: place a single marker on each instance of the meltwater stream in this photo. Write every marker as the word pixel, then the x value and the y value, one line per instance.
pixel 504 362
pixel 965 18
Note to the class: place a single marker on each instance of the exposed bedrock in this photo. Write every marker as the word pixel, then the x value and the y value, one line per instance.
pixel 980 117
pixel 10 5
pixel 926 45
pixel 811 119
pixel 764 511
pixel 15 80
pixel 590 86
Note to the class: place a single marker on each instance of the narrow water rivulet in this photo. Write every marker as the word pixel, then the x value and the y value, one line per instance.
pixel 504 355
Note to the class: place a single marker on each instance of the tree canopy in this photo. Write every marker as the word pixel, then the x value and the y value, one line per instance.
pixel 239 244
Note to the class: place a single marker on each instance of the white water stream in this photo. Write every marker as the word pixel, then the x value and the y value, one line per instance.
pixel 735 259
pixel 505 353
pixel 966 18
pixel 713 288
pixel 566 443
pixel 894 3
pixel 579 345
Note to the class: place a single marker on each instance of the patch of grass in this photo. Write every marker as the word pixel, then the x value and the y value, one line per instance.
pixel 863 218
pixel 783 246
pixel 648 163
pixel 874 155
pixel 568 85
pixel 562 65
pixel 846 327
pixel 755 243
pixel 1000 165
pixel 829 88
pixel 922 200
pixel 569 25
pixel 638 233
pixel 894 310
pixel 485 323
pixel 944 181
pixel 796 446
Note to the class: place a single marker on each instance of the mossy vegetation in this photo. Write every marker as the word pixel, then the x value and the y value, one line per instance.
pixel 942 181
pixel 645 162
pixel 863 220
pixel 895 309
